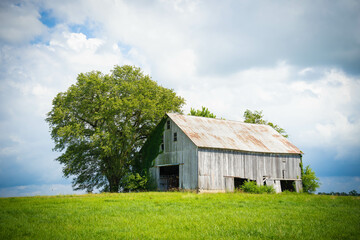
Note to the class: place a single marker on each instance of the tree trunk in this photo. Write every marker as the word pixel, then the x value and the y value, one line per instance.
pixel 114 184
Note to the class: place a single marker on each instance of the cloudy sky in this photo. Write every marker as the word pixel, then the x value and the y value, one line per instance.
pixel 298 61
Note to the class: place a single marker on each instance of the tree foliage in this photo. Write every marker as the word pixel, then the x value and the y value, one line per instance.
pixel 257 118
pixel 101 122
pixel 144 160
pixel 151 148
pixel 136 182
pixel 309 180
pixel 204 112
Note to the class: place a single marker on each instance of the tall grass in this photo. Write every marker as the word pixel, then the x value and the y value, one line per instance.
pixel 180 216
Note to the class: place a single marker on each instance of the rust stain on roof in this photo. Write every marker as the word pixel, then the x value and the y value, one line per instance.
pixel 257 142
pixel 287 143
pixel 194 135
pixel 234 135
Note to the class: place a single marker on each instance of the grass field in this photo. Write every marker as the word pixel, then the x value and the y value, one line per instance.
pixel 176 215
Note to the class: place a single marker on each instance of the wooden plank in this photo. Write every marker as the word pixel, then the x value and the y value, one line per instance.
pixel 254 166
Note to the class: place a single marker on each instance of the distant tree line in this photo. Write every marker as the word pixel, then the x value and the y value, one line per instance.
pixel 351 193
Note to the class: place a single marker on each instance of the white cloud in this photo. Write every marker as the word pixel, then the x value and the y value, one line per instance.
pixel 314 113
pixel 19 23
pixel 331 111
pixel 78 42
pixel 305 71
pixel 183 5
pixel 5 151
pixel 178 67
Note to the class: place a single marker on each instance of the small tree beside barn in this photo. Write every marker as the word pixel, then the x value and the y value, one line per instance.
pixel 207 154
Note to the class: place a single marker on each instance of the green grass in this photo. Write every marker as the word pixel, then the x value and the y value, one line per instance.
pixel 175 215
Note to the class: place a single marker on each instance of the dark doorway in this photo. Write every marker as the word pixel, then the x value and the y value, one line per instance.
pixel 169 178
pixel 287 185
pixel 238 182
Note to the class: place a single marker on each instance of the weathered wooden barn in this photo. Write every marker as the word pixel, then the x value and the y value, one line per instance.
pixel 207 154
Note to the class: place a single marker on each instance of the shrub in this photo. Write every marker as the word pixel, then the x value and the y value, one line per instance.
pixel 136 182
pixel 249 186
pixel 309 180
pixel 252 187
pixel 267 189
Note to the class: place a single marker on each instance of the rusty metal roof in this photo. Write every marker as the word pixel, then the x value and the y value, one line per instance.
pixel 233 135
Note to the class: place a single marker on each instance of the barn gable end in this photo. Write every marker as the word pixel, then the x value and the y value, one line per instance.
pixel 181 153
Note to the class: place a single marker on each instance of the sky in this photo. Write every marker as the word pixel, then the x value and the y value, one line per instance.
pixel 298 61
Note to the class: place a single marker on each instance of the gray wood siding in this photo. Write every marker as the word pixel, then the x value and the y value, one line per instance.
pixel 183 152
pixel 215 165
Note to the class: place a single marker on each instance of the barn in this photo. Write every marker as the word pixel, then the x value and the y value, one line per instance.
pixel 215 155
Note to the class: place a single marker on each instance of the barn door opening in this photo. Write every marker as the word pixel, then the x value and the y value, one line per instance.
pixel 169 177
pixel 287 185
pixel 238 182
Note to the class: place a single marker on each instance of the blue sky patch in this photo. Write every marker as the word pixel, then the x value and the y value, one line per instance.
pixel 39 39
pixel 47 19
pixel 81 28
pixel 124 48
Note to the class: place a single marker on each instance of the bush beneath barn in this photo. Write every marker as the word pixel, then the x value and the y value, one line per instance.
pixel 136 183
pixel 252 187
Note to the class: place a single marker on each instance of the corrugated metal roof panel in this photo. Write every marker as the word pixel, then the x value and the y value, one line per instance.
pixel 234 135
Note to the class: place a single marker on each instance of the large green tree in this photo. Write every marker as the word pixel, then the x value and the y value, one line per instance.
pixel 100 123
